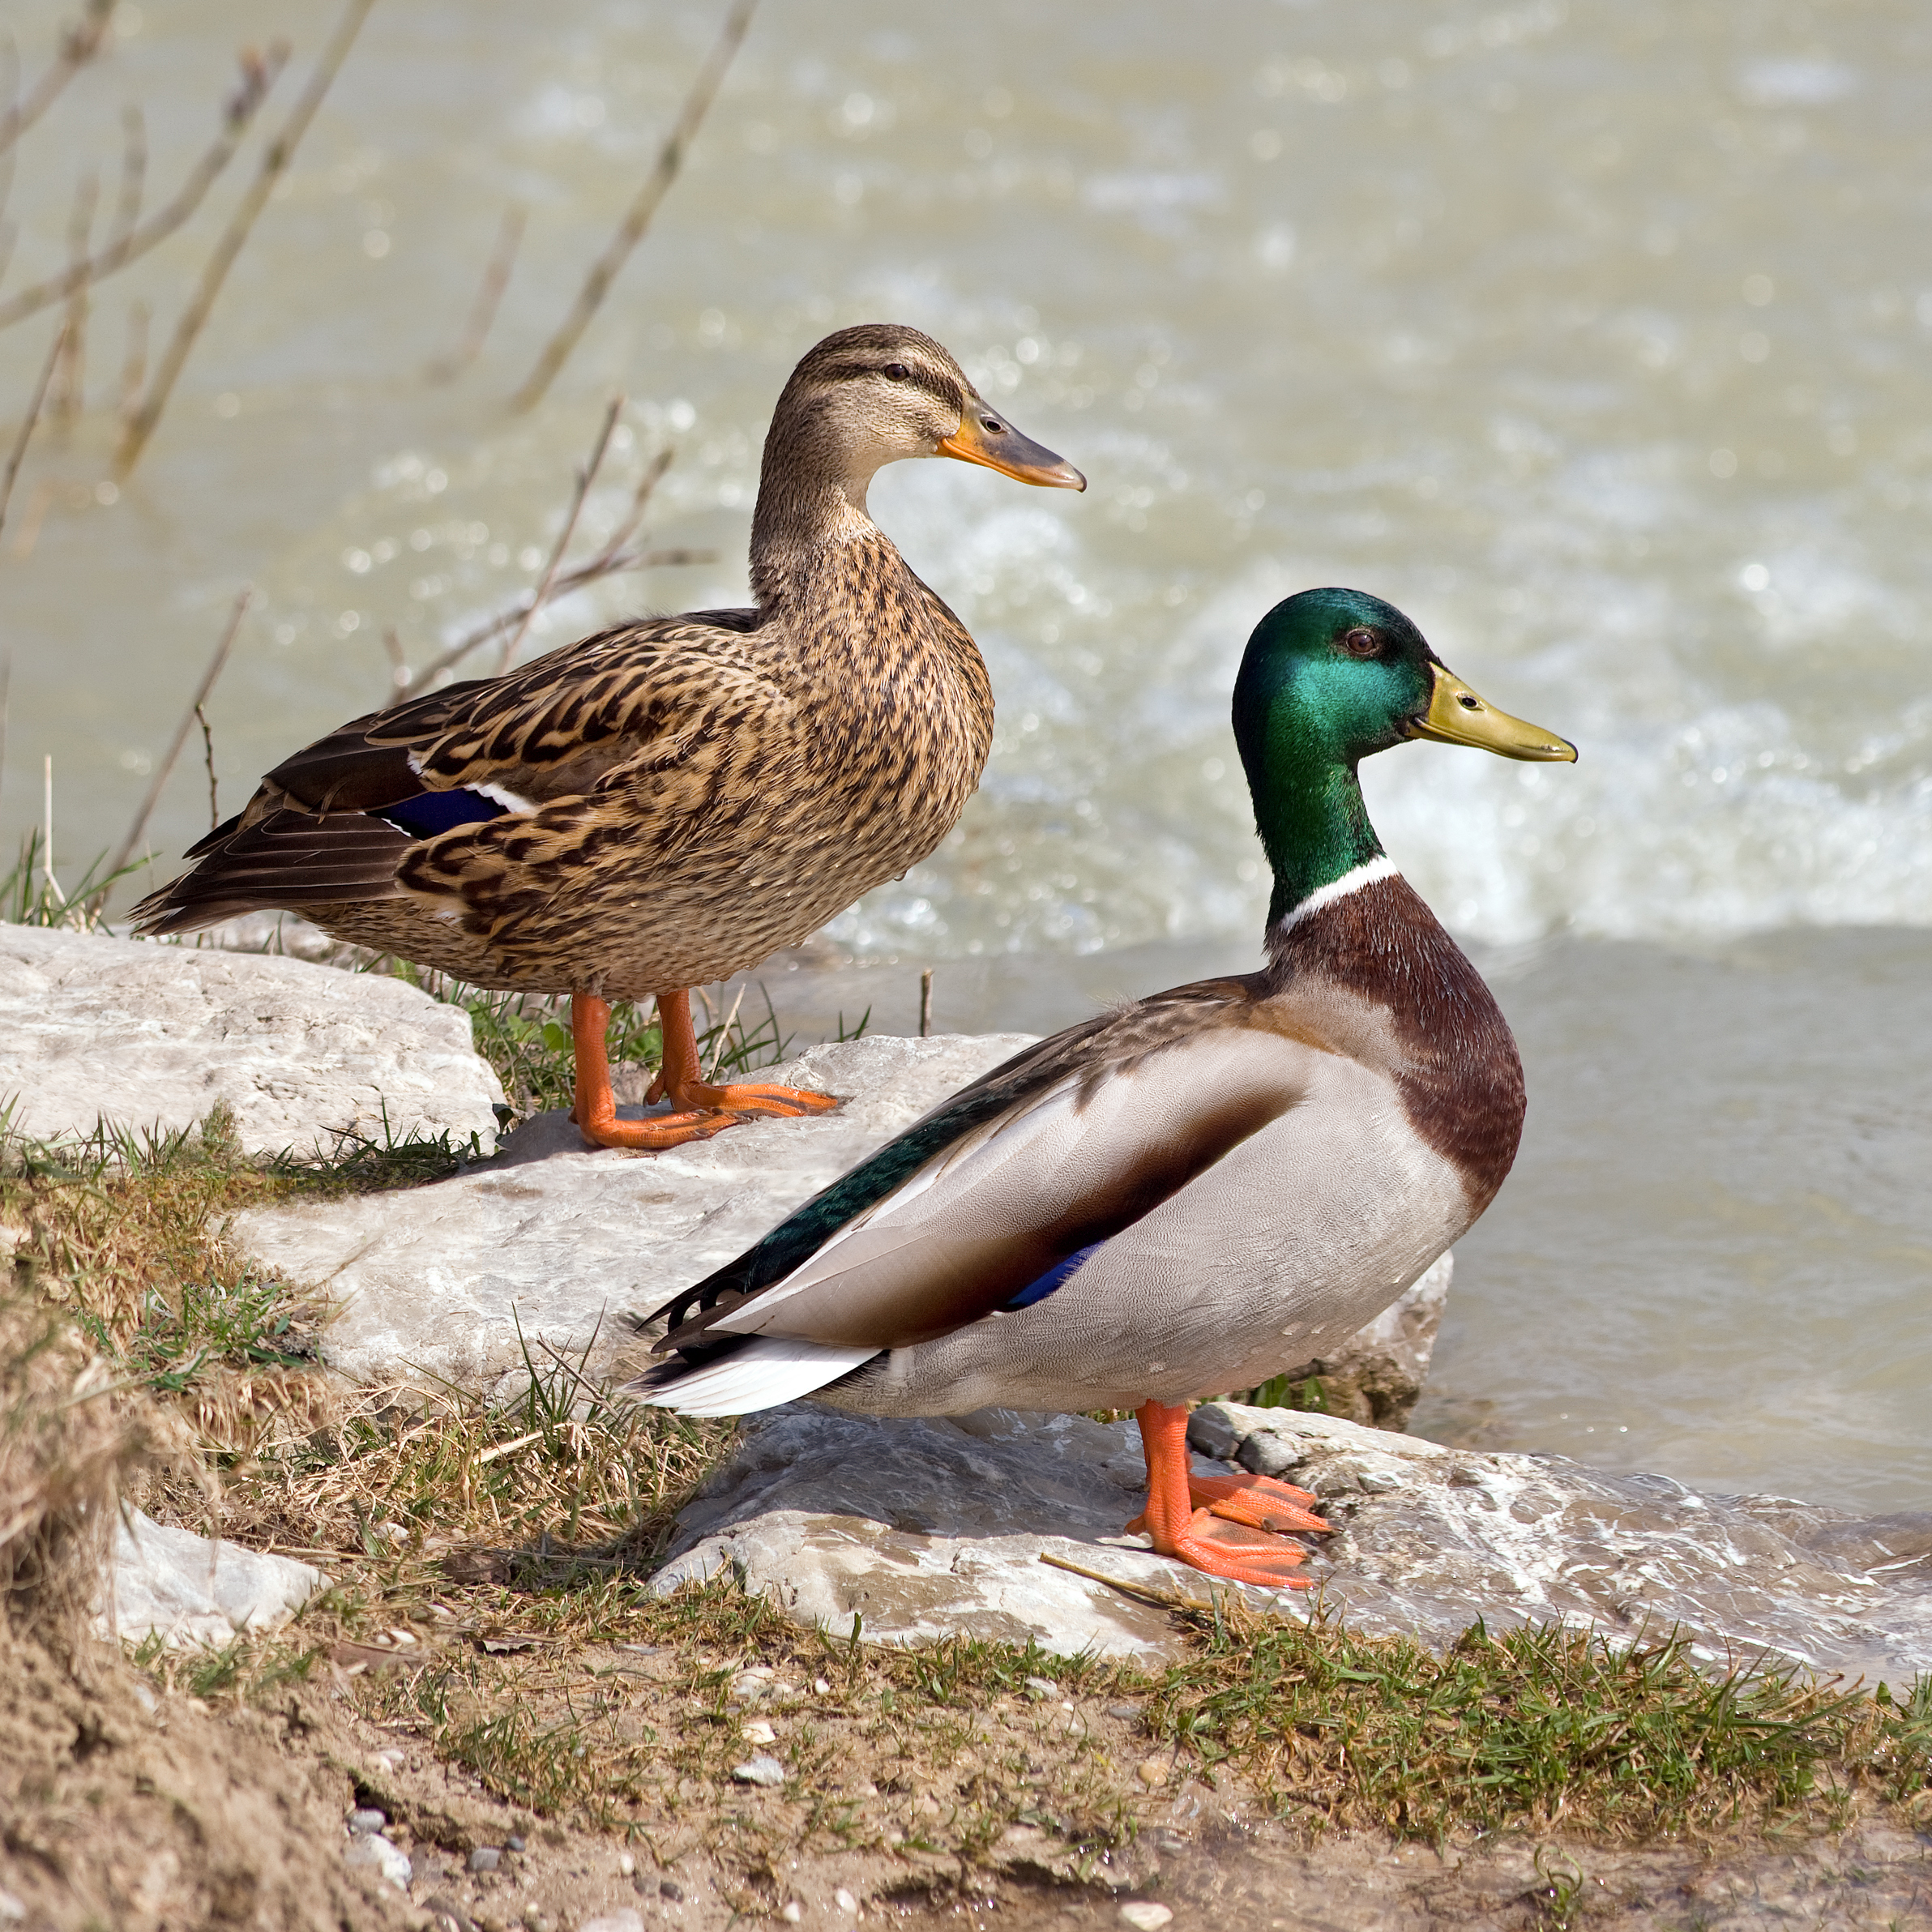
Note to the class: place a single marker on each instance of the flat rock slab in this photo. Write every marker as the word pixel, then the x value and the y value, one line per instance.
pixel 197 1590
pixel 147 1035
pixel 933 1528
pixel 552 1243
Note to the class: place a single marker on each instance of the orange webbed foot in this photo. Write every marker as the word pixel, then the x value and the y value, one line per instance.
pixel 1182 1507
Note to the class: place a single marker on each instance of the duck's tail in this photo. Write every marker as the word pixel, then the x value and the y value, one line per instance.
pixel 282 862
pixel 759 1372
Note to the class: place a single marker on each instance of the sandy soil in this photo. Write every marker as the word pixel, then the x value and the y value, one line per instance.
pixel 125 1809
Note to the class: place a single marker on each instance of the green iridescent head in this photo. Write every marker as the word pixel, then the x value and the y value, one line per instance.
pixel 1329 676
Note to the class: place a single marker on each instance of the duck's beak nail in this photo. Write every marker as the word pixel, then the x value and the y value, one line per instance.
pixel 986 436
pixel 1457 716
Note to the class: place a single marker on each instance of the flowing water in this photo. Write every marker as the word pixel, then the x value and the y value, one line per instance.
pixel 1595 336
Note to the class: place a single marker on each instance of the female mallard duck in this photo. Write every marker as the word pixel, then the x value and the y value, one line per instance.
pixel 667 802
pixel 1190 1195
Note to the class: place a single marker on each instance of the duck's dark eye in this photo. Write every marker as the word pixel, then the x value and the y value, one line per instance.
pixel 1362 642
pixel 899 372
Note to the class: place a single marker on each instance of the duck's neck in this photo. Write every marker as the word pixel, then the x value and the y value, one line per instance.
pixel 811 495
pixel 1315 827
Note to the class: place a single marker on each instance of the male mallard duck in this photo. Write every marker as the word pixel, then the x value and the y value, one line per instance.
pixel 1187 1195
pixel 666 803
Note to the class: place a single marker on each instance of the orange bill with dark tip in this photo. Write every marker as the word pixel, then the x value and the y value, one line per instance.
pixel 986 436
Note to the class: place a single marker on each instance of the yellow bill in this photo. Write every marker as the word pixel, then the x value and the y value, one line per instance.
pixel 1457 716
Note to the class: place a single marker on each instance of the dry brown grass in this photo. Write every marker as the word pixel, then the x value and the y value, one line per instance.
pixel 69 1436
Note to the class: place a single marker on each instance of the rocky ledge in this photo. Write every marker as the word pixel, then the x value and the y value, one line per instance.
pixel 922 1528
pixel 139 1035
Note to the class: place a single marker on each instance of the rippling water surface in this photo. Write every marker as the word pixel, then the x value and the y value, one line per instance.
pixel 1596 336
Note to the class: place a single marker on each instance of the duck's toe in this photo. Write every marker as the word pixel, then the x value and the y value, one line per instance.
pixel 1268 1566
pixel 751 1097
pixel 1258 1500
pixel 661 1131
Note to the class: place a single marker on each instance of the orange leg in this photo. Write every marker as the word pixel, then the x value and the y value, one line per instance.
pixel 703 1109
pixel 1173 1519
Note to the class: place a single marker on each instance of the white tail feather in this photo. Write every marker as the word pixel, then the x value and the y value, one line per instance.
pixel 767 1371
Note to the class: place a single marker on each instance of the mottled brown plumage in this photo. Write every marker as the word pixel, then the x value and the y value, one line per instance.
pixel 685 794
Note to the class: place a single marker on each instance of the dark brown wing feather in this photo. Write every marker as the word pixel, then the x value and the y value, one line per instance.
pixel 287 859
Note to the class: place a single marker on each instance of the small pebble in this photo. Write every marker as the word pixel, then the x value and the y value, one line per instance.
pixel 845 1900
pixel 622 1920
pixel 760 1770
pixel 1125 1713
pixel 1143 1915
pixel 1042 1687
pixel 376 1852
pixel 1151 1771
pixel 362 1824
pixel 758 1732
pixel 792 1912
pixel 626 1864
pixel 671 1889
pixel 513 1842
pixel 13 1908
pixel 486 1857
pixel 820 1686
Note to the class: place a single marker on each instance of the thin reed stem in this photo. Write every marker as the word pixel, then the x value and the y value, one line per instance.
pixel 47 831
pixel 637 217
pixel 180 736
pixel 275 158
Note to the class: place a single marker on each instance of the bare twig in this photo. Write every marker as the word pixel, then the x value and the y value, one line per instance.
pixel 586 477
pixel 925 1003
pixel 614 560
pixel 78 45
pixel 133 172
pixel 637 217
pixel 1166 1599
pixel 18 455
pixel 483 311
pixel 180 736
pixel 129 244
pixel 65 403
pixel 275 158
pixel 207 748
pixel 400 674
pixel 9 69
pixel 133 363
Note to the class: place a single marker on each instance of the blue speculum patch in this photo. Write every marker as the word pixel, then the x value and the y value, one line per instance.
pixel 1056 1276
pixel 428 813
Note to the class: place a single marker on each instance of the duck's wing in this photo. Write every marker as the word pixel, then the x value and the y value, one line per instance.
pixel 337 820
pixel 978 1207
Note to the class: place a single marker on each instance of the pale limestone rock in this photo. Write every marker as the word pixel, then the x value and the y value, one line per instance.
pixel 197 1590
pixel 145 1035
pixel 928 1527
pixel 552 1244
